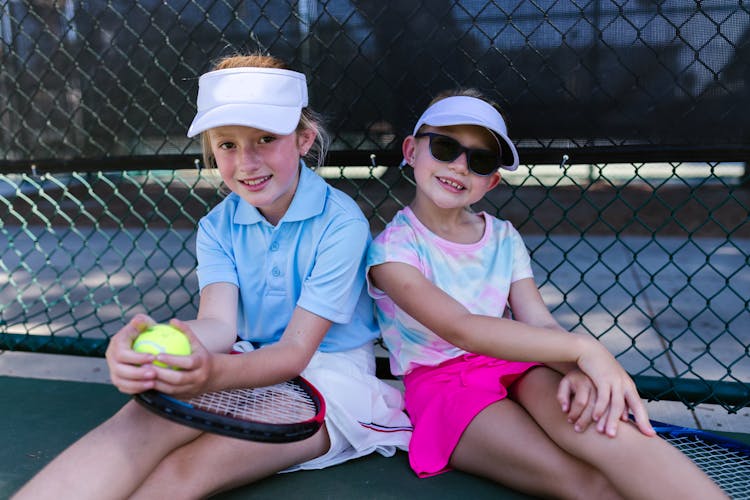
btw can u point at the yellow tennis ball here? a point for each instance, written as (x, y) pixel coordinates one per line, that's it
(162, 339)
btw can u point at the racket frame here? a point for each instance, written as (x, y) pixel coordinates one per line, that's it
(676, 431)
(705, 458)
(182, 412)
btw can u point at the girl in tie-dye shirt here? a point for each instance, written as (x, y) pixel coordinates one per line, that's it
(476, 390)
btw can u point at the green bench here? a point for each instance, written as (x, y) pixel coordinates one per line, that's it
(41, 417)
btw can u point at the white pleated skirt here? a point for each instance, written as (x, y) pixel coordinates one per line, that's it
(363, 413)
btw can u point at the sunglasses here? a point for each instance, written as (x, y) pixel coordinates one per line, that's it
(443, 148)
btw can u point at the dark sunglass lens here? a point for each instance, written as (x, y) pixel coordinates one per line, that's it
(484, 162)
(444, 148)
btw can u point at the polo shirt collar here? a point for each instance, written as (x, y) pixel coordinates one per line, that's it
(308, 201)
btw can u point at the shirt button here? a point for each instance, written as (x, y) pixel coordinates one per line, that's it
(274, 246)
(275, 272)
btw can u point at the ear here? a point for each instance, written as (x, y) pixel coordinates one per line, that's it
(305, 140)
(495, 179)
(408, 149)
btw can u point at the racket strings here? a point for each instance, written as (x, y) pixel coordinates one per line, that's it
(728, 468)
(284, 403)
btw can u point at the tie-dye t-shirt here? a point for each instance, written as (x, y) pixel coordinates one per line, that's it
(478, 275)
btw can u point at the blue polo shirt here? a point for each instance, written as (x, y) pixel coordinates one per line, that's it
(313, 258)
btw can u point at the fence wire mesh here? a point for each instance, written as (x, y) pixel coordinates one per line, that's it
(105, 78)
(641, 239)
(654, 268)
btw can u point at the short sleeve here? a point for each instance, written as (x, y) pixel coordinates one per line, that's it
(397, 243)
(216, 262)
(333, 287)
(521, 259)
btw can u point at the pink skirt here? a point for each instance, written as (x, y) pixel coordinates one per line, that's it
(442, 401)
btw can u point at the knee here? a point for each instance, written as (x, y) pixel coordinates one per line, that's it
(587, 483)
(174, 477)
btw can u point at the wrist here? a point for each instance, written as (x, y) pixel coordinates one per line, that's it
(586, 347)
(213, 380)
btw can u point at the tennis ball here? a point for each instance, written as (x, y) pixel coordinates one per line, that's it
(162, 339)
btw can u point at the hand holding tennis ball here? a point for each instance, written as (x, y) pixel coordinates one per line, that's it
(160, 339)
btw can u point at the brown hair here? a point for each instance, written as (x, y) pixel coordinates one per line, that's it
(309, 119)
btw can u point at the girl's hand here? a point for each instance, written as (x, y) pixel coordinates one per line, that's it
(577, 395)
(186, 376)
(131, 372)
(616, 394)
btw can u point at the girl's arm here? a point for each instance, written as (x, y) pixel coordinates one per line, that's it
(511, 339)
(276, 362)
(215, 330)
(528, 307)
(210, 367)
(449, 319)
(576, 392)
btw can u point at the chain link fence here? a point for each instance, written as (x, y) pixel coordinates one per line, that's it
(630, 119)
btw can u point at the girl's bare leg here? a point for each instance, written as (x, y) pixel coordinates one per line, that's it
(111, 460)
(504, 444)
(211, 464)
(639, 467)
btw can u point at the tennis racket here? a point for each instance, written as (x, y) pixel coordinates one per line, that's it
(724, 460)
(281, 413)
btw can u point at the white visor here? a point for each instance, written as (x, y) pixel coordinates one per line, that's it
(264, 98)
(465, 110)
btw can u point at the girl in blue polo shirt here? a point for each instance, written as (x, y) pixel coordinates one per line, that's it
(281, 267)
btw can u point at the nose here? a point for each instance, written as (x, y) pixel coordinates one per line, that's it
(249, 158)
(461, 163)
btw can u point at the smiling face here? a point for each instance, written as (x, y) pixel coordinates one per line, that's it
(450, 185)
(261, 167)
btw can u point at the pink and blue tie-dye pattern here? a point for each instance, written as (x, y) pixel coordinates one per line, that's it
(478, 275)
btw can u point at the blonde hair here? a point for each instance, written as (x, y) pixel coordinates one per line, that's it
(310, 120)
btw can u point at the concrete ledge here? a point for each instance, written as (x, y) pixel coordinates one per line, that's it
(93, 369)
